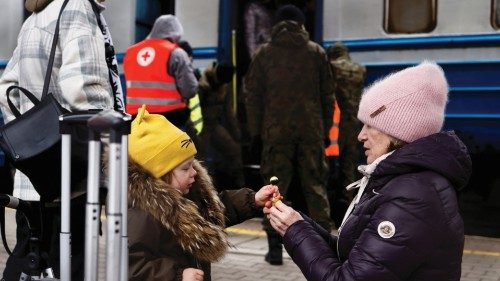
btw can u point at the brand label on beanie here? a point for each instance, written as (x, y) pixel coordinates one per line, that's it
(378, 111)
(185, 143)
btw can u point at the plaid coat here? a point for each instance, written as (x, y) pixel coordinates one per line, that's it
(79, 79)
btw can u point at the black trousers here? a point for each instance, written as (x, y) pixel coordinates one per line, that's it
(47, 228)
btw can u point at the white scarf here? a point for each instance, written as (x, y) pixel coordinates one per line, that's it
(367, 171)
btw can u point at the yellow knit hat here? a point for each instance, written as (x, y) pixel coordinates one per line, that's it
(156, 144)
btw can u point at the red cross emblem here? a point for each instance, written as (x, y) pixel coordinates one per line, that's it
(145, 56)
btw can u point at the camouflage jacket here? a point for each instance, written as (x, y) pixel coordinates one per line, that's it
(349, 78)
(289, 88)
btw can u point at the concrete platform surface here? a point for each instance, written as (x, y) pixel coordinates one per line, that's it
(245, 260)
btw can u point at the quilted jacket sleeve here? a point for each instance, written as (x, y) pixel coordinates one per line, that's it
(312, 248)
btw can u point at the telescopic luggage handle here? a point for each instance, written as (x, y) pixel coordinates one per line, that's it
(118, 127)
(110, 121)
(66, 124)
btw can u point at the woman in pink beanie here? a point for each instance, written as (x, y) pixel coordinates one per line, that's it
(404, 222)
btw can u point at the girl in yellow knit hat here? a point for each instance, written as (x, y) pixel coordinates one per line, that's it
(176, 219)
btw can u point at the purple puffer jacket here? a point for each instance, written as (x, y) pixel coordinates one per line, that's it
(406, 226)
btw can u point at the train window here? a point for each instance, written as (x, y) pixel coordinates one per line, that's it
(410, 16)
(495, 14)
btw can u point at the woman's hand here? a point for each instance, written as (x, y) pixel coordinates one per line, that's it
(192, 274)
(281, 216)
(265, 194)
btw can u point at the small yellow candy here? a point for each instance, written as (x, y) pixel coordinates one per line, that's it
(275, 200)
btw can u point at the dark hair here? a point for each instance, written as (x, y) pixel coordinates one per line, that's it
(186, 47)
(289, 12)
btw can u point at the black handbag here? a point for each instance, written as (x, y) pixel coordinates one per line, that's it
(32, 141)
(33, 132)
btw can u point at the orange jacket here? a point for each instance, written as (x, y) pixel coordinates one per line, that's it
(333, 148)
(148, 81)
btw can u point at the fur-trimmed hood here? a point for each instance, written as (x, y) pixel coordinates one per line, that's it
(196, 219)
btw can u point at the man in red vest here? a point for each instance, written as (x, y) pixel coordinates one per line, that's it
(159, 73)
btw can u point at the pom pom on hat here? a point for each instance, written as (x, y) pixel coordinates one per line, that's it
(408, 104)
(156, 144)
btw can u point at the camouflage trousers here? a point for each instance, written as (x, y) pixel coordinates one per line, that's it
(309, 162)
(349, 150)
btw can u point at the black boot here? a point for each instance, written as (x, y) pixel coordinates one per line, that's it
(275, 254)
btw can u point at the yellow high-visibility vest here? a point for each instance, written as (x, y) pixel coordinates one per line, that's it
(196, 116)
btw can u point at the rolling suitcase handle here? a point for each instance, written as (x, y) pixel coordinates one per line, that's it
(124, 201)
(66, 124)
(118, 126)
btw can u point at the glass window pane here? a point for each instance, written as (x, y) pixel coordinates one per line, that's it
(495, 14)
(409, 16)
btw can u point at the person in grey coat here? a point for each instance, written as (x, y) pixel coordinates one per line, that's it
(158, 68)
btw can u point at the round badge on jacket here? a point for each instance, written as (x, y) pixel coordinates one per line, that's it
(145, 56)
(386, 229)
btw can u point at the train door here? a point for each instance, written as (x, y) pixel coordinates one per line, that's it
(250, 18)
(146, 13)
(251, 24)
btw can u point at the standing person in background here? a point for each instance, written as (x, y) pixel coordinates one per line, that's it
(258, 21)
(221, 130)
(194, 125)
(404, 223)
(189, 51)
(79, 81)
(176, 218)
(349, 79)
(289, 107)
(159, 73)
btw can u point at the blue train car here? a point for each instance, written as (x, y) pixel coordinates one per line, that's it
(385, 36)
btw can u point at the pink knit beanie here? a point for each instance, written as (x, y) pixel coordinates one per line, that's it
(408, 104)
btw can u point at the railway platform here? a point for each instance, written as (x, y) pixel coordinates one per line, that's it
(245, 259)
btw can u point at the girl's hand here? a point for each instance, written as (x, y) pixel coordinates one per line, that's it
(265, 194)
(192, 274)
(281, 217)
